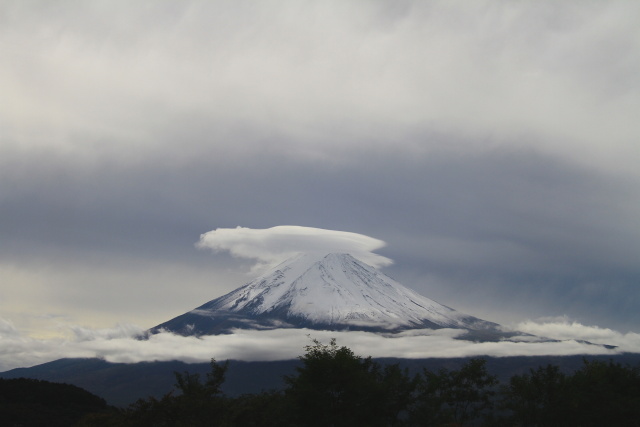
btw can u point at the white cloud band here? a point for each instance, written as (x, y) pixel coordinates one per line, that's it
(120, 345)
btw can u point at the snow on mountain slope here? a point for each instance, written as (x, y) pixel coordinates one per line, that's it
(328, 291)
(336, 289)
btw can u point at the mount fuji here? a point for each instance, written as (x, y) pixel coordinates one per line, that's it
(326, 292)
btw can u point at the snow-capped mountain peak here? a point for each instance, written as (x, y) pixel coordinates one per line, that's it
(322, 291)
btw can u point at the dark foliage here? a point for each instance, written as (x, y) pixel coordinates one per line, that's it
(599, 394)
(540, 398)
(197, 403)
(266, 409)
(29, 402)
(454, 397)
(332, 386)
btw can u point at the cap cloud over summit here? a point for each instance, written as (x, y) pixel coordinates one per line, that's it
(275, 244)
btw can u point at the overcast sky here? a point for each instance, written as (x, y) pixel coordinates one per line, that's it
(490, 148)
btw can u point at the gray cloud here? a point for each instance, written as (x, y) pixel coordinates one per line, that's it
(103, 79)
(493, 147)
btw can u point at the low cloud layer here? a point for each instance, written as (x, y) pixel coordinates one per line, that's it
(275, 244)
(119, 344)
(565, 329)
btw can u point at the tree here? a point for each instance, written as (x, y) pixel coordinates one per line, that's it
(605, 394)
(335, 387)
(540, 398)
(198, 403)
(193, 389)
(454, 396)
(266, 409)
(398, 390)
(598, 394)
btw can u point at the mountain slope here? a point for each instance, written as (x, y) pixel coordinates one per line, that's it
(329, 291)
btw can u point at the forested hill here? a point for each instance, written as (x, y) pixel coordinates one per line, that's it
(29, 402)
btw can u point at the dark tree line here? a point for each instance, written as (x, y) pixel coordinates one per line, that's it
(335, 387)
(598, 394)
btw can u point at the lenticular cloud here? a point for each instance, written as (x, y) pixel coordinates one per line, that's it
(273, 245)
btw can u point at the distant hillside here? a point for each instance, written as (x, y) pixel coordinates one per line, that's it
(121, 384)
